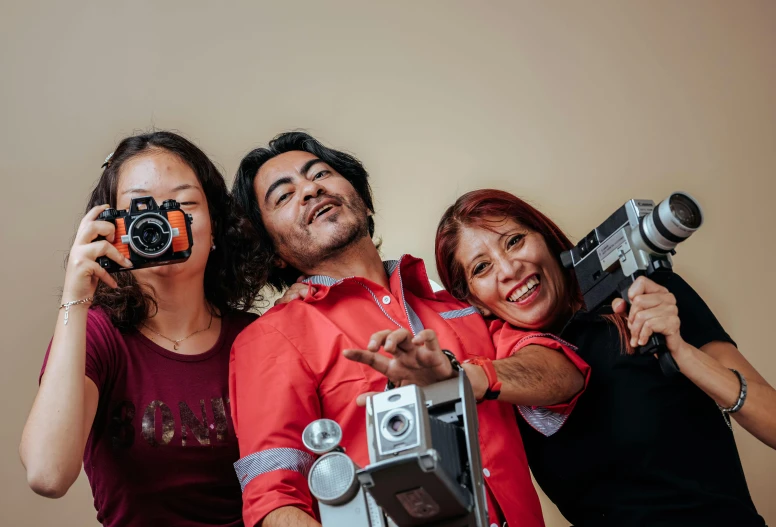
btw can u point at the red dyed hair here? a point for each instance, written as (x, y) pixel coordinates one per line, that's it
(473, 209)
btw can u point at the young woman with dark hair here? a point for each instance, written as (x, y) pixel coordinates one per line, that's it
(135, 380)
(640, 448)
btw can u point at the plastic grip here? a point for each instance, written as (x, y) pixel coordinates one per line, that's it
(178, 221)
(121, 230)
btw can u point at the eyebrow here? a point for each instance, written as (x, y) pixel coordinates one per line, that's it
(307, 166)
(140, 190)
(287, 179)
(275, 184)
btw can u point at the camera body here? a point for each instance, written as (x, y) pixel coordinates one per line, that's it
(424, 454)
(149, 235)
(638, 239)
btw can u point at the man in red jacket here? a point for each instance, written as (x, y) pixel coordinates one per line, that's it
(313, 207)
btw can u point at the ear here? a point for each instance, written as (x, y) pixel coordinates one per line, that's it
(279, 262)
(484, 311)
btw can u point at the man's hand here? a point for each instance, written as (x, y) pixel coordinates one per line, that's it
(414, 360)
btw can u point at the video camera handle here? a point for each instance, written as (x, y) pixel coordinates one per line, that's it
(657, 342)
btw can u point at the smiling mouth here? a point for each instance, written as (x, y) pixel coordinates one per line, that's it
(524, 291)
(321, 211)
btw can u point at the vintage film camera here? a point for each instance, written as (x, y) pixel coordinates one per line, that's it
(149, 235)
(638, 239)
(425, 466)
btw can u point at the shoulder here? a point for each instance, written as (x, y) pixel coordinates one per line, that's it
(99, 326)
(240, 319)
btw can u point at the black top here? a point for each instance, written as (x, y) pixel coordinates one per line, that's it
(641, 449)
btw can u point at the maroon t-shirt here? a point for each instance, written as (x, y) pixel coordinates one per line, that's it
(162, 445)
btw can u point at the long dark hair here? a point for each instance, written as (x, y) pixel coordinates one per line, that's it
(232, 274)
(242, 189)
(473, 208)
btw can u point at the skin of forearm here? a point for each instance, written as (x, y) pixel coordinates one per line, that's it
(289, 517)
(52, 442)
(534, 376)
(718, 382)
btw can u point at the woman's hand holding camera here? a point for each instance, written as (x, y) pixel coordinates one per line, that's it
(83, 272)
(653, 310)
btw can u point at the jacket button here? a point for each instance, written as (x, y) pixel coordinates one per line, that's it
(486, 472)
(386, 299)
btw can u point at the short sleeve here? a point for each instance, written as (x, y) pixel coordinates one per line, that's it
(273, 397)
(699, 326)
(508, 341)
(102, 341)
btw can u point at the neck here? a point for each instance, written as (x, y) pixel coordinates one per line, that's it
(181, 307)
(358, 259)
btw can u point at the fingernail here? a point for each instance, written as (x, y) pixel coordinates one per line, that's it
(372, 344)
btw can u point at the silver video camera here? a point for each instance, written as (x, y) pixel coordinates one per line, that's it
(425, 466)
(638, 239)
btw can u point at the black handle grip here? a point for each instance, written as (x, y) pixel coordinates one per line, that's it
(657, 344)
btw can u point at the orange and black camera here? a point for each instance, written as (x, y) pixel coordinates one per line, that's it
(149, 235)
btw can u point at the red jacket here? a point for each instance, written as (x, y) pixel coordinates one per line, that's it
(287, 370)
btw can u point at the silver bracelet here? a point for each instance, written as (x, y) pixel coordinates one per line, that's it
(67, 306)
(741, 395)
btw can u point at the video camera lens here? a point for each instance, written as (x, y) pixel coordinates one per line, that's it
(685, 210)
(670, 223)
(150, 235)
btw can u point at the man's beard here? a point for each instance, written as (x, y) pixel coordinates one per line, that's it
(307, 254)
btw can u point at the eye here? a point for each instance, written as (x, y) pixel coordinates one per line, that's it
(283, 198)
(514, 240)
(320, 174)
(188, 202)
(479, 268)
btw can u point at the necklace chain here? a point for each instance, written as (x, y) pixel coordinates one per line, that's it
(176, 342)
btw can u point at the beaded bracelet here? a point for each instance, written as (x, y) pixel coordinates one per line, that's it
(739, 402)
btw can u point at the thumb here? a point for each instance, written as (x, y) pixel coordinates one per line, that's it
(619, 305)
(361, 399)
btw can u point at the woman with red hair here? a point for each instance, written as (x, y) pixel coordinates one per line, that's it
(640, 448)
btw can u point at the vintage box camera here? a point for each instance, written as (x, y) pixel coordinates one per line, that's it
(425, 466)
(149, 235)
(638, 239)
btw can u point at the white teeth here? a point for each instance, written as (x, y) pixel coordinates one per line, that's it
(322, 210)
(525, 289)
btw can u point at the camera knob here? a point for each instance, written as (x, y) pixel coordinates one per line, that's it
(170, 204)
(108, 214)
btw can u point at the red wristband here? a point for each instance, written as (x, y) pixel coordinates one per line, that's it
(494, 386)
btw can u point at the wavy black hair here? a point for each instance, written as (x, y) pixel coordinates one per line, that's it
(232, 274)
(242, 191)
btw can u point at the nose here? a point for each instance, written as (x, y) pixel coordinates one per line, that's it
(311, 189)
(506, 268)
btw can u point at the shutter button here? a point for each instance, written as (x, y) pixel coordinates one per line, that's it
(386, 299)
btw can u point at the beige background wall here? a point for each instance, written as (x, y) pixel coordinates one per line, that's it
(577, 106)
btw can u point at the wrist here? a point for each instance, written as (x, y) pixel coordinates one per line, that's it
(684, 354)
(477, 378)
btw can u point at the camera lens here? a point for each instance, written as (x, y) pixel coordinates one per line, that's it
(397, 425)
(150, 235)
(671, 222)
(685, 210)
